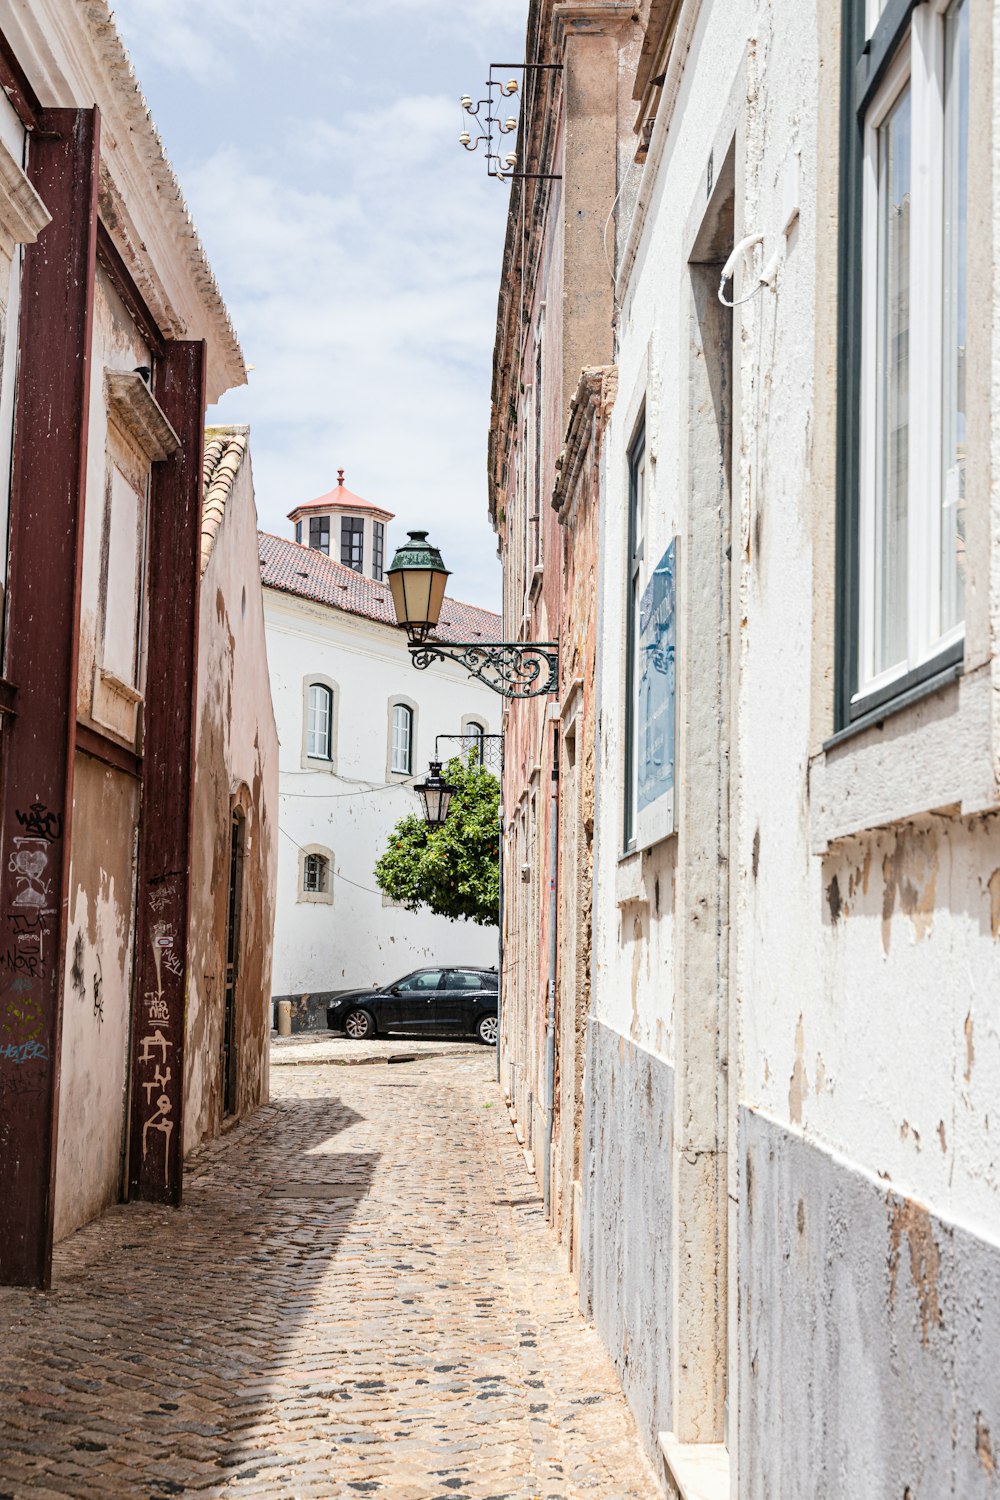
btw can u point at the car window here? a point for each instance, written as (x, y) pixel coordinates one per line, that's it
(462, 979)
(429, 979)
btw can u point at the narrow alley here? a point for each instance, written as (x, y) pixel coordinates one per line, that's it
(358, 1296)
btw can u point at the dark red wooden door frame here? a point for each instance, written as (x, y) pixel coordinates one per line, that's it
(43, 607)
(174, 542)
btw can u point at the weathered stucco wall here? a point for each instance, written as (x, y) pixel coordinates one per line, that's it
(626, 1284)
(877, 1320)
(236, 767)
(857, 917)
(97, 996)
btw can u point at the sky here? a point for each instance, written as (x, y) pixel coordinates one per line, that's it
(356, 244)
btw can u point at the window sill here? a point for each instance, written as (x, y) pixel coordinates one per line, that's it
(938, 673)
(931, 752)
(630, 889)
(318, 763)
(699, 1471)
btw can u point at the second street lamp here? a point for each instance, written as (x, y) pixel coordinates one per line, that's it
(435, 793)
(515, 669)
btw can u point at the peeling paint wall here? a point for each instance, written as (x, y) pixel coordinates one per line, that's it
(881, 1316)
(813, 958)
(236, 767)
(98, 990)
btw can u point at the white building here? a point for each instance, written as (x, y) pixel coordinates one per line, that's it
(357, 725)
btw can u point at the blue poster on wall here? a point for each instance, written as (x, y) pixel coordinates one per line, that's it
(656, 717)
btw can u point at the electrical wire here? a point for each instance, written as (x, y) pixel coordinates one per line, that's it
(338, 796)
(336, 872)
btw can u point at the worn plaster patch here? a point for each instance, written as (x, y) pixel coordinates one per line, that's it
(798, 1085)
(909, 875)
(994, 890)
(833, 899)
(913, 1221)
(984, 1448)
(970, 1047)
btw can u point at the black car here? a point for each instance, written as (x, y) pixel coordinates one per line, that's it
(428, 1002)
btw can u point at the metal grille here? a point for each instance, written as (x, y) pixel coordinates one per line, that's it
(489, 747)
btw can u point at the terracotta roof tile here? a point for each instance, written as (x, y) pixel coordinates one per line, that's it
(294, 569)
(225, 448)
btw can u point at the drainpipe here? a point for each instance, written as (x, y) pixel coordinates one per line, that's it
(550, 1019)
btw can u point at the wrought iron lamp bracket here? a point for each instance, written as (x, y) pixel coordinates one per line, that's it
(514, 669)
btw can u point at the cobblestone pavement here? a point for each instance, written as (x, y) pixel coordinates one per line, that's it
(359, 1297)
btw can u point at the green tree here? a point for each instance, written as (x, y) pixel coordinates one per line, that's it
(451, 870)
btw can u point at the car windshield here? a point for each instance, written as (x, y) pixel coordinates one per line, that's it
(425, 979)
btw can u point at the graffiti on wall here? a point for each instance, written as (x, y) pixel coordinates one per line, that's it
(155, 1062)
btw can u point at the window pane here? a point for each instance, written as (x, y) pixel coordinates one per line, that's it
(315, 873)
(402, 727)
(319, 534)
(893, 372)
(352, 531)
(378, 549)
(953, 446)
(320, 716)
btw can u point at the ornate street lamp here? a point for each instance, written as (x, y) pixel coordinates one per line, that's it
(435, 793)
(515, 669)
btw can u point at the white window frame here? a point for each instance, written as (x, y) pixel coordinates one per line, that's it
(400, 706)
(311, 737)
(921, 63)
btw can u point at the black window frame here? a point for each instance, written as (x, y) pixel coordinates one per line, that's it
(864, 62)
(317, 526)
(298, 532)
(351, 527)
(634, 559)
(378, 550)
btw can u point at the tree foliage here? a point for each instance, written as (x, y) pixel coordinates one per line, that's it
(451, 870)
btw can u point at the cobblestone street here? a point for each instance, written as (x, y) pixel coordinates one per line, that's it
(358, 1297)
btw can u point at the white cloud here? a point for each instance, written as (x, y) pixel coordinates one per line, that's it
(368, 310)
(356, 244)
(194, 36)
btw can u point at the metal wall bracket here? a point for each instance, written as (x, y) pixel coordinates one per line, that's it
(515, 669)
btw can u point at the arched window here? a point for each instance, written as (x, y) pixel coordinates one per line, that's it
(476, 734)
(402, 739)
(319, 729)
(315, 874)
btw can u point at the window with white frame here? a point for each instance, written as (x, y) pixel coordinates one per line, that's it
(402, 739)
(319, 727)
(903, 336)
(476, 732)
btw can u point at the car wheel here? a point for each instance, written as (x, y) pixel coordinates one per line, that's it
(358, 1024)
(488, 1030)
